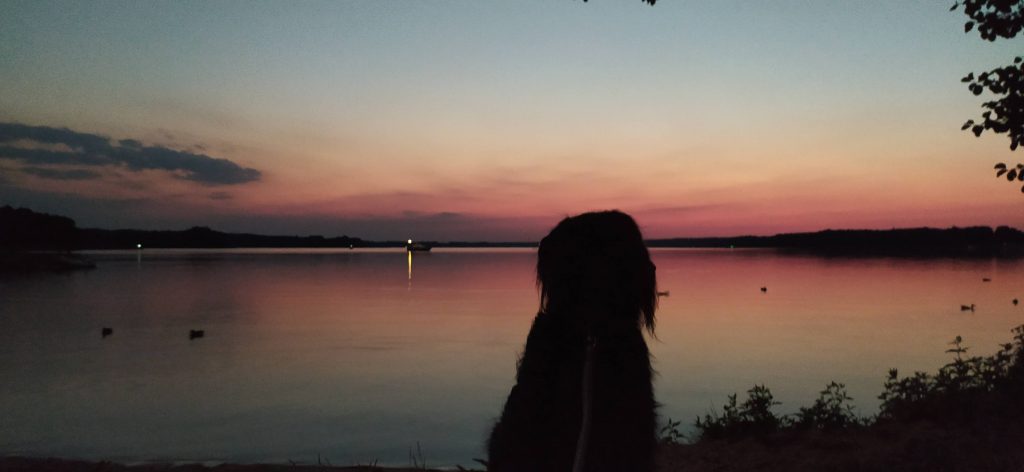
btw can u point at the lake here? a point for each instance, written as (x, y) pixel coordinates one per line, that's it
(357, 356)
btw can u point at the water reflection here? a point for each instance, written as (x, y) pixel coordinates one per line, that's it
(330, 352)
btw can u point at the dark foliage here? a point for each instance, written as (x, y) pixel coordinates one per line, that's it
(831, 411)
(969, 389)
(21, 228)
(1005, 113)
(966, 387)
(670, 434)
(753, 417)
(992, 18)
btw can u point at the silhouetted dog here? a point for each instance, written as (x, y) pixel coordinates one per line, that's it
(598, 292)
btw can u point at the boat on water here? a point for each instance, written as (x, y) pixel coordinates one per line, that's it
(417, 247)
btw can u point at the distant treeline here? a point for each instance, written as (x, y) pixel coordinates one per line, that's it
(21, 228)
(203, 237)
(25, 229)
(978, 241)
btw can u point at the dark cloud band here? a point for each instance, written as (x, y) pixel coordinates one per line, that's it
(86, 149)
(61, 174)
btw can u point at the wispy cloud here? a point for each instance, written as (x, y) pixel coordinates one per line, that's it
(684, 209)
(54, 147)
(61, 174)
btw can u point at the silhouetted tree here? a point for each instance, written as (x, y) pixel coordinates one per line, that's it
(1005, 114)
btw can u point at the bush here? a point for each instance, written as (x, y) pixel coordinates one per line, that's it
(670, 433)
(955, 390)
(751, 418)
(966, 388)
(832, 410)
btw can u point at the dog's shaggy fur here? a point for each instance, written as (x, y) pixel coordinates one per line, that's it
(597, 288)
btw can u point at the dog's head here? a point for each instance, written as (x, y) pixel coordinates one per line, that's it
(595, 267)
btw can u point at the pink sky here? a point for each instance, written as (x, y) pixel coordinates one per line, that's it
(493, 121)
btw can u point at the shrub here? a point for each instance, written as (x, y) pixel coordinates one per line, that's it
(670, 433)
(751, 418)
(961, 390)
(955, 390)
(832, 410)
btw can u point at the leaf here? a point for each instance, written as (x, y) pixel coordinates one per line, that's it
(968, 26)
(1020, 176)
(967, 125)
(1000, 173)
(1022, 189)
(1012, 174)
(1018, 59)
(1020, 166)
(1000, 165)
(954, 6)
(968, 77)
(977, 129)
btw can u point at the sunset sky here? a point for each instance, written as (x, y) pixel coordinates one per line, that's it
(491, 120)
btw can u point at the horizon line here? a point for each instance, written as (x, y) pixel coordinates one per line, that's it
(536, 242)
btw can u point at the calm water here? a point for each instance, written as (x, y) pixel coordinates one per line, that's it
(358, 355)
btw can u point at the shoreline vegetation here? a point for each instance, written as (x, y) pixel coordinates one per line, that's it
(23, 230)
(968, 416)
(965, 417)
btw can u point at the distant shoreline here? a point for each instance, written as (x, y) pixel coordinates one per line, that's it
(23, 229)
(916, 242)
